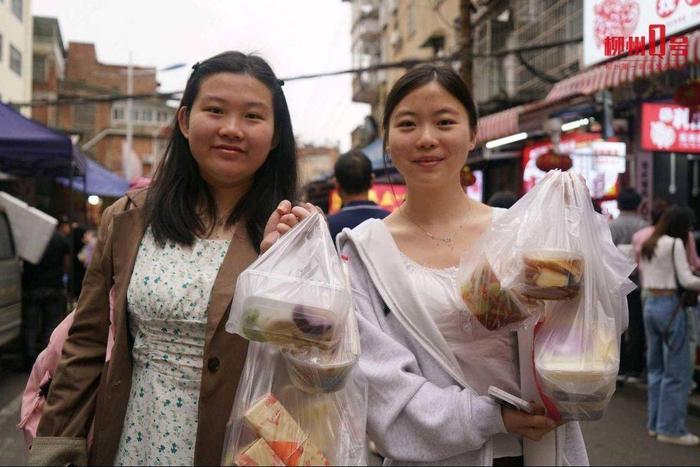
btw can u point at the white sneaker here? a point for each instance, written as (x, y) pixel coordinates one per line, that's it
(688, 439)
(651, 433)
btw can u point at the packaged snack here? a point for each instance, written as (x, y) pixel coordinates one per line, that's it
(282, 433)
(302, 428)
(552, 274)
(295, 293)
(258, 453)
(283, 323)
(315, 370)
(576, 377)
(493, 306)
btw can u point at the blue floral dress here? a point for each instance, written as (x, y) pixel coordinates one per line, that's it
(168, 298)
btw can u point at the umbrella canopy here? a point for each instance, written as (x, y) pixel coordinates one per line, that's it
(100, 181)
(30, 148)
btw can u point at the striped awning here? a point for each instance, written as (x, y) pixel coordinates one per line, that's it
(611, 74)
(622, 71)
(498, 125)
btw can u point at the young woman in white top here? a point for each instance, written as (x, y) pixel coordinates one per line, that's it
(664, 267)
(427, 381)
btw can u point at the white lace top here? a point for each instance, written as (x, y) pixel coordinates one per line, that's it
(484, 362)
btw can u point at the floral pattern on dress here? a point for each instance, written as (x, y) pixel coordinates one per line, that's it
(168, 298)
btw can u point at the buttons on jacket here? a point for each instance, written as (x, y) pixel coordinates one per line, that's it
(213, 364)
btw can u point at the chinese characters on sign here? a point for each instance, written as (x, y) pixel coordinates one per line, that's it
(666, 127)
(637, 45)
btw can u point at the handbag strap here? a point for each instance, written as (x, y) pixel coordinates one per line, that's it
(679, 306)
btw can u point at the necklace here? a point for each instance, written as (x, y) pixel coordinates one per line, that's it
(447, 241)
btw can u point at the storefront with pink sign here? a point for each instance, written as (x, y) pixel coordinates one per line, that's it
(670, 144)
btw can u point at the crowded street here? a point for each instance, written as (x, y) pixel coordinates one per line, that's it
(350, 232)
(618, 439)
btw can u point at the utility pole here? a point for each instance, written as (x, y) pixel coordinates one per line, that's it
(126, 156)
(465, 42)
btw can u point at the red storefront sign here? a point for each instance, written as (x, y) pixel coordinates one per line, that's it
(666, 128)
(381, 193)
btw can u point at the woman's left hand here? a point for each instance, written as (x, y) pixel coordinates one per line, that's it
(282, 220)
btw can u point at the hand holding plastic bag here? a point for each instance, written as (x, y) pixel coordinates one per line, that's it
(294, 294)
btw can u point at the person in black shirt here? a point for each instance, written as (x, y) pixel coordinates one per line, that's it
(353, 178)
(44, 296)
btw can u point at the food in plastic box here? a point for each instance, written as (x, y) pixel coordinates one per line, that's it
(314, 371)
(552, 274)
(275, 425)
(491, 305)
(579, 382)
(282, 323)
(258, 453)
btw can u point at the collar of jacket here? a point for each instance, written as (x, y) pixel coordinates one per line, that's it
(128, 231)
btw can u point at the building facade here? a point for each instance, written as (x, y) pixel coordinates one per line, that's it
(16, 52)
(101, 124)
(48, 68)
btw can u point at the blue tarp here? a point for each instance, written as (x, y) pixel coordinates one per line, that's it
(28, 148)
(374, 152)
(100, 181)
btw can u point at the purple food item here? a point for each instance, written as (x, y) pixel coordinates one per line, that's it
(311, 323)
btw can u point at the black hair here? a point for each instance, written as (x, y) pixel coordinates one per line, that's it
(628, 199)
(658, 208)
(674, 222)
(178, 191)
(353, 172)
(502, 199)
(421, 75)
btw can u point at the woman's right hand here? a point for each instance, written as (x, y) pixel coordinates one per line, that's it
(528, 426)
(282, 220)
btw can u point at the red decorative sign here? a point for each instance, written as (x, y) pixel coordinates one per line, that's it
(666, 128)
(387, 196)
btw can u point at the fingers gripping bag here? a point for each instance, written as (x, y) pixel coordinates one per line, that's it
(280, 418)
(576, 343)
(294, 294)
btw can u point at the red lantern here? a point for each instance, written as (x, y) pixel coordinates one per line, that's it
(688, 95)
(552, 160)
(466, 177)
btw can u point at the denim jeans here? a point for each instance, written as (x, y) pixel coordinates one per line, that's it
(668, 365)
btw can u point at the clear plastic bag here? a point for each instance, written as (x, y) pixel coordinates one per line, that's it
(550, 258)
(295, 293)
(314, 370)
(576, 347)
(273, 422)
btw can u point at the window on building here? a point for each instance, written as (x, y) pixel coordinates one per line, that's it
(84, 115)
(17, 8)
(411, 29)
(118, 113)
(148, 115)
(15, 60)
(39, 69)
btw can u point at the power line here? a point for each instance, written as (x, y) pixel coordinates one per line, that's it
(407, 64)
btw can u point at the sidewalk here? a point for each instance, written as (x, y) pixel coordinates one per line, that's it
(693, 399)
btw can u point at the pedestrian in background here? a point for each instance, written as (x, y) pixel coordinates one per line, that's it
(353, 180)
(665, 268)
(172, 253)
(44, 296)
(623, 229)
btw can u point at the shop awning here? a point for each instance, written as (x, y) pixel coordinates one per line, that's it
(29, 148)
(498, 125)
(100, 181)
(623, 70)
